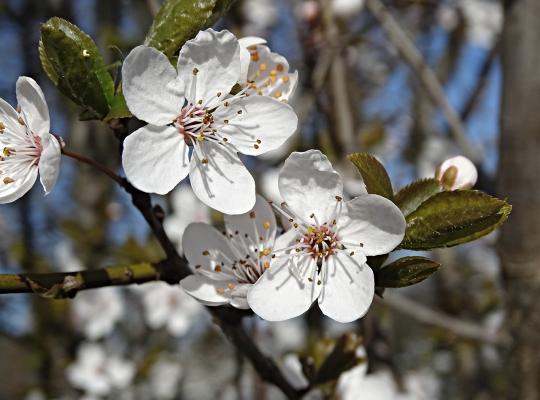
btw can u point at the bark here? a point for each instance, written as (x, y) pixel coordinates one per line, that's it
(518, 180)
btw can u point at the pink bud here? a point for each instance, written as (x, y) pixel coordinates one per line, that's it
(457, 173)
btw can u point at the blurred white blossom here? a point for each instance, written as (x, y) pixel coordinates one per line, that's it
(165, 378)
(97, 372)
(346, 8)
(95, 312)
(260, 15)
(168, 306)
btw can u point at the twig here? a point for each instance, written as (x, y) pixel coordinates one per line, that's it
(425, 74)
(95, 164)
(431, 317)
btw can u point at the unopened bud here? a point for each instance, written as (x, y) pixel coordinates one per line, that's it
(457, 173)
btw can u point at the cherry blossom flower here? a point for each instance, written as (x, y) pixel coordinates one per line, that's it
(227, 264)
(186, 209)
(165, 377)
(264, 72)
(28, 148)
(192, 115)
(97, 372)
(346, 8)
(96, 312)
(168, 306)
(457, 173)
(323, 257)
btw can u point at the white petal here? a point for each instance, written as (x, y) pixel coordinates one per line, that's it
(49, 162)
(155, 158)
(348, 288)
(245, 57)
(8, 116)
(33, 105)
(152, 90)
(224, 183)
(278, 295)
(120, 372)
(239, 296)
(205, 290)
(263, 125)
(259, 222)
(374, 221)
(205, 247)
(22, 183)
(216, 57)
(309, 184)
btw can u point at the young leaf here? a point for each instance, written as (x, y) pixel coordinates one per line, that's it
(405, 272)
(411, 196)
(375, 176)
(73, 63)
(179, 20)
(119, 108)
(451, 218)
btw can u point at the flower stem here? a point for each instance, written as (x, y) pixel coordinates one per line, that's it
(107, 171)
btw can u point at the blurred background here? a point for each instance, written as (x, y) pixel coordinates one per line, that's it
(468, 332)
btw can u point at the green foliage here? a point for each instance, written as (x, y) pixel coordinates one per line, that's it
(72, 61)
(405, 272)
(375, 176)
(119, 108)
(411, 196)
(451, 218)
(179, 20)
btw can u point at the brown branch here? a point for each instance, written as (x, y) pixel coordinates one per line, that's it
(429, 316)
(427, 77)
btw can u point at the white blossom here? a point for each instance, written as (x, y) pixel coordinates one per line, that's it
(28, 148)
(228, 263)
(168, 306)
(484, 19)
(97, 372)
(323, 257)
(346, 8)
(186, 209)
(195, 126)
(263, 72)
(457, 173)
(165, 377)
(260, 15)
(96, 312)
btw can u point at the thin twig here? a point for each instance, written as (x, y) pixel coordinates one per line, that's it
(429, 316)
(427, 77)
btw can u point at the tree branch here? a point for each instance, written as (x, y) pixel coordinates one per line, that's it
(427, 77)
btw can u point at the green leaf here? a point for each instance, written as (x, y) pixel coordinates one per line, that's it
(405, 272)
(119, 108)
(72, 61)
(452, 218)
(374, 175)
(179, 20)
(411, 196)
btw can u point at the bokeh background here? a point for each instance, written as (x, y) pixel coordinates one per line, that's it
(468, 332)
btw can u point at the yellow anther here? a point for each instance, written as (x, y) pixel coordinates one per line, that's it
(277, 95)
(266, 264)
(2, 127)
(7, 151)
(217, 268)
(254, 56)
(200, 138)
(204, 161)
(310, 229)
(265, 252)
(266, 225)
(279, 67)
(7, 180)
(220, 290)
(231, 286)
(262, 67)
(285, 79)
(21, 120)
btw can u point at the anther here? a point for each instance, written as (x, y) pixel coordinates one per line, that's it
(205, 253)
(266, 225)
(262, 67)
(220, 290)
(252, 215)
(217, 268)
(2, 127)
(21, 120)
(195, 71)
(7, 180)
(204, 161)
(256, 146)
(339, 198)
(218, 94)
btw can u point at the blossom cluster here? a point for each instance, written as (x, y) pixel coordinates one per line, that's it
(227, 97)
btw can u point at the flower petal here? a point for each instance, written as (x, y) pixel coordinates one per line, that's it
(205, 247)
(348, 288)
(155, 158)
(309, 185)
(205, 290)
(256, 124)
(33, 105)
(239, 296)
(245, 56)
(278, 295)
(14, 186)
(152, 90)
(223, 183)
(374, 221)
(209, 64)
(259, 222)
(49, 162)
(8, 117)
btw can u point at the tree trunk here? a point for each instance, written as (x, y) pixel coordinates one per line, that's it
(519, 181)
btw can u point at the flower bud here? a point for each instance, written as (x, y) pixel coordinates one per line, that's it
(457, 173)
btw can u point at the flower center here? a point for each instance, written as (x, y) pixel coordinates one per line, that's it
(194, 123)
(320, 241)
